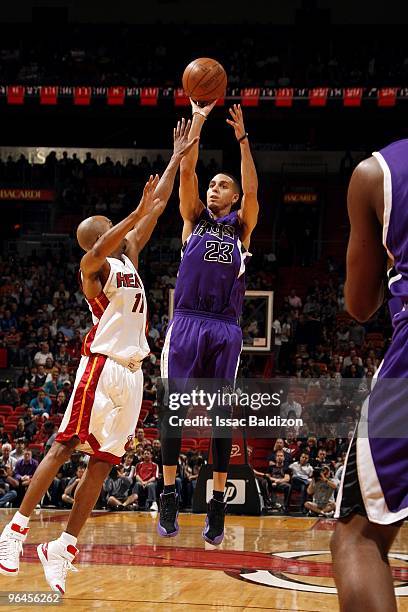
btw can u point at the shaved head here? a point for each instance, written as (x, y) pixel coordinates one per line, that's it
(90, 229)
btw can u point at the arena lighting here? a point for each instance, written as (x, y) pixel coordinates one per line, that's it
(47, 95)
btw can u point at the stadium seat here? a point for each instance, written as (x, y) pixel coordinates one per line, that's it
(151, 431)
(5, 409)
(204, 444)
(191, 443)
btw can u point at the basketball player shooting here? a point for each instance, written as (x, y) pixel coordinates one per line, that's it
(204, 339)
(372, 500)
(104, 408)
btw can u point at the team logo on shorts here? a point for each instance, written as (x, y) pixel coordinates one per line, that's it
(302, 571)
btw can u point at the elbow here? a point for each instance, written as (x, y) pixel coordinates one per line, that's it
(359, 312)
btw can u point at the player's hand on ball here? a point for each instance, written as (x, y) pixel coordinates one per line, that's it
(204, 111)
(180, 134)
(237, 121)
(147, 202)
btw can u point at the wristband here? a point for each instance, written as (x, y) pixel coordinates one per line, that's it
(201, 114)
(243, 137)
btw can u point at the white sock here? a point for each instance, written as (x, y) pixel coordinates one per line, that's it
(67, 539)
(20, 519)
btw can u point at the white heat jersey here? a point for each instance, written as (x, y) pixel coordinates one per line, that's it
(119, 316)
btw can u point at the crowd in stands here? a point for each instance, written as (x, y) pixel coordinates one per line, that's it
(253, 55)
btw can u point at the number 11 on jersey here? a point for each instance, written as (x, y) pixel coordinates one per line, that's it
(138, 305)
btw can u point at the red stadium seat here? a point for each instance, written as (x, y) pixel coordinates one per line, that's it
(151, 432)
(5, 409)
(143, 414)
(204, 444)
(13, 419)
(190, 443)
(20, 410)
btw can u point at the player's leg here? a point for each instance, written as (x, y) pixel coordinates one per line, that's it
(15, 532)
(221, 364)
(57, 555)
(178, 364)
(359, 550)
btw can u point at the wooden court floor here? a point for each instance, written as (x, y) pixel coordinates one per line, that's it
(265, 563)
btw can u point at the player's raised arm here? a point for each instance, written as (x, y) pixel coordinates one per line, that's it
(141, 233)
(190, 204)
(248, 213)
(100, 239)
(366, 257)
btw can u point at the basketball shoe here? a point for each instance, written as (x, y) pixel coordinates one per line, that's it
(168, 526)
(56, 558)
(11, 545)
(213, 532)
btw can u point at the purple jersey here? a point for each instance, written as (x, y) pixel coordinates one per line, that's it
(393, 161)
(378, 462)
(211, 276)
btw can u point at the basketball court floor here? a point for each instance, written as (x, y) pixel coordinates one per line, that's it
(265, 563)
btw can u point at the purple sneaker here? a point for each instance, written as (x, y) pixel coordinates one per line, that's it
(168, 527)
(213, 532)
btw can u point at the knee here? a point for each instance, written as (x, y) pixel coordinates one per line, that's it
(60, 452)
(340, 543)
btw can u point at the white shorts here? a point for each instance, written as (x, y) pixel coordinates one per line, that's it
(104, 408)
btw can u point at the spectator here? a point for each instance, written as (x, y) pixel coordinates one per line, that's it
(41, 404)
(50, 386)
(68, 330)
(322, 488)
(149, 389)
(40, 358)
(62, 356)
(40, 377)
(69, 493)
(294, 300)
(60, 403)
(6, 458)
(4, 437)
(146, 480)
(321, 458)
(24, 471)
(116, 487)
(290, 409)
(278, 480)
(8, 486)
(9, 395)
(302, 472)
(63, 377)
(278, 446)
(192, 472)
(29, 394)
(19, 432)
(129, 469)
(53, 434)
(18, 451)
(140, 439)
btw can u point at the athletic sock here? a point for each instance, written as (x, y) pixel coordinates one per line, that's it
(67, 539)
(218, 496)
(169, 489)
(20, 519)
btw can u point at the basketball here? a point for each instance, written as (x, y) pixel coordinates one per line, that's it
(205, 80)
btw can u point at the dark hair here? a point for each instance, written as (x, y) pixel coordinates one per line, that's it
(237, 184)
(234, 179)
